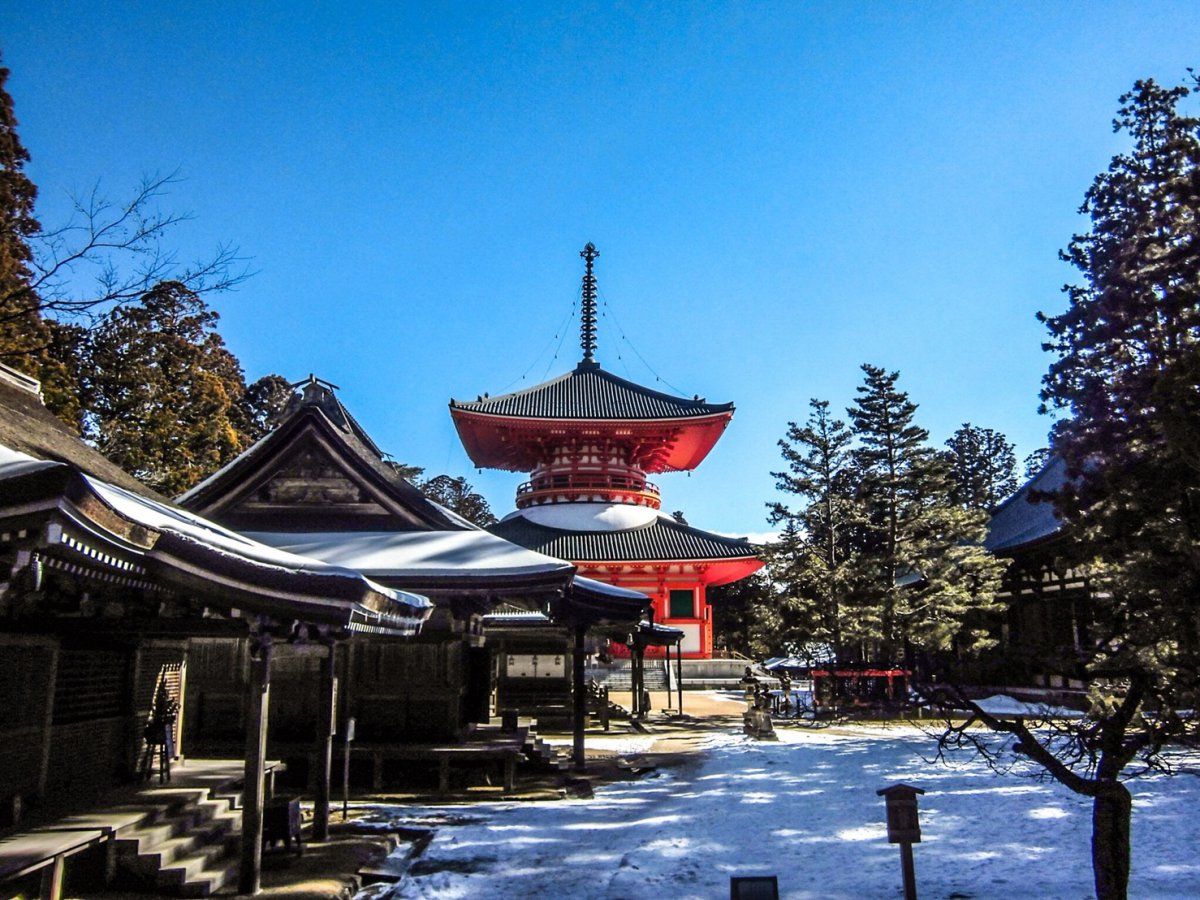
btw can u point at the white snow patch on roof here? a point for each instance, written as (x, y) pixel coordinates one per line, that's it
(588, 516)
(447, 554)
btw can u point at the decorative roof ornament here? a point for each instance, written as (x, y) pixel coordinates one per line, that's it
(587, 317)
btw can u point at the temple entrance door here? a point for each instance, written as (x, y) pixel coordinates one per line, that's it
(478, 701)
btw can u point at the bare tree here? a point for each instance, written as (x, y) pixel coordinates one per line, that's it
(1092, 754)
(109, 253)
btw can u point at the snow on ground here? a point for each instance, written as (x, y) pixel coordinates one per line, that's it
(805, 809)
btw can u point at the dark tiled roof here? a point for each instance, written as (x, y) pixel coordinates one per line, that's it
(1023, 520)
(663, 539)
(319, 408)
(26, 425)
(588, 392)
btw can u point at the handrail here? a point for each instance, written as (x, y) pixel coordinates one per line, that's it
(584, 482)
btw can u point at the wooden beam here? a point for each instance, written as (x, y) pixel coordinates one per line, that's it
(258, 701)
(326, 726)
(678, 672)
(579, 689)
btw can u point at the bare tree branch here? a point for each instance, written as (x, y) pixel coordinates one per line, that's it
(108, 254)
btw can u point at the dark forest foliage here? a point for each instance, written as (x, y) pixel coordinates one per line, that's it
(1127, 373)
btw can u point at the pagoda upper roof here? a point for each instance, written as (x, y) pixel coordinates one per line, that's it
(589, 393)
(661, 540)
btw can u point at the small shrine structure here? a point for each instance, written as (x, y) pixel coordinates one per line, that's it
(589, 439)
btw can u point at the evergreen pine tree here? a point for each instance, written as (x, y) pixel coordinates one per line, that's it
(1128, 371)
(813, 552)
(922, 567)
(982, 467)
(163, 390)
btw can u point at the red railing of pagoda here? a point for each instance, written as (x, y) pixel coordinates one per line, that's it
(572, 486)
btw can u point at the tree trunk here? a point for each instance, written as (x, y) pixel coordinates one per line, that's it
(1111, 811)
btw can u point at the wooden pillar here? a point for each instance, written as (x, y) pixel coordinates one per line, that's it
(258, 701)
(579, 756)
(633, 681)
(326, 726)
(678, 674)
(640, 668)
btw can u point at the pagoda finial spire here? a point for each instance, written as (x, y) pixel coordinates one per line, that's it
(587, 318)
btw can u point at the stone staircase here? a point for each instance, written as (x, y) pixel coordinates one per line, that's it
(541, 755)
(618, 676)
(185, 847)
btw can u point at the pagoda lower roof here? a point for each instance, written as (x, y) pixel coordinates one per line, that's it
(661, 540)
(589, 392)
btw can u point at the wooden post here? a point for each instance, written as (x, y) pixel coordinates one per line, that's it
(908, 871)
(579, 755)
(640, 668)
(633, 681)
(52, 880)
(326, 726)
(903, 828)
(258, 699)
(679, 673)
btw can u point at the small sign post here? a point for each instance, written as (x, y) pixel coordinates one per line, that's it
(903, 828)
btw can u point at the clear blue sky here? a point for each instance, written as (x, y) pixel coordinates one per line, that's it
(779, 192)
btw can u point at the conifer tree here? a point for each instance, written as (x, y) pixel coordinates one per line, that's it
(982, 465)
(40, 347)
(458, 495)
(922, 568)
(1036, 461)
(18, 222)
(814, 550)
(163, 390)
(263, 405)
(1127, 371)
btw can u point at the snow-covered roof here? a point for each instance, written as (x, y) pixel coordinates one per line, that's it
(583, 516)
(190, 541)
(660, 538)
(429, 554)
(608, 590)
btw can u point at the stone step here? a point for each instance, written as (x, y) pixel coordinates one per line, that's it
(195, 840)
(187, 847)
(198, 865)
(208, 881)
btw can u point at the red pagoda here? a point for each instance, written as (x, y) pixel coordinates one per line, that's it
(588, 440)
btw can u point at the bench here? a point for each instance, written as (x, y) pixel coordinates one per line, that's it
(24, 854)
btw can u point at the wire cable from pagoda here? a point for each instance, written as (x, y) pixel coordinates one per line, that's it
(608, 312)
(560, 335)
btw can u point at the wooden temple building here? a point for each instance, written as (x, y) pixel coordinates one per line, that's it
(105, 591)
(1047, 602)
(318, 485)
(240, 624)
(588, 440)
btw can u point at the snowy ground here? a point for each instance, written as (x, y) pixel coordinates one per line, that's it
(804, 809)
